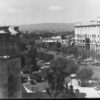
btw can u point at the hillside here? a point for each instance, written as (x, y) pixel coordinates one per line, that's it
(49, 27)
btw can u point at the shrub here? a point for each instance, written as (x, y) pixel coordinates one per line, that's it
(45, 56)
(84, 75)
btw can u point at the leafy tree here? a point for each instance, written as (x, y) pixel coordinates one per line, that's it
(45, 56)
(59, 69)
(23, 46)
(84, 74)
(22, 62)
(32, 55)
(70, 50)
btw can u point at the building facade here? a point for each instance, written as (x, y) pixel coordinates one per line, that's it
(10, 63)
(9, 38)
(87, 35)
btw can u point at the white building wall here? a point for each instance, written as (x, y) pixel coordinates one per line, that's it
(89, 30)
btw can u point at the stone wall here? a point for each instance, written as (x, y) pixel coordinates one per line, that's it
(10, 78)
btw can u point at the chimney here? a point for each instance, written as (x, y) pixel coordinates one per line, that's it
(17, 29)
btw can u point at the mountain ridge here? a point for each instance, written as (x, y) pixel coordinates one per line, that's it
(50, 27)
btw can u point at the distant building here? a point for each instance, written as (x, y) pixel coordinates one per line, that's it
(54, 40)
(87, 35)
(56, 37)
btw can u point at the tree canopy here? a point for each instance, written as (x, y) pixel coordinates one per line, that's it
(68, 66)
(59, 69)
(85, 74)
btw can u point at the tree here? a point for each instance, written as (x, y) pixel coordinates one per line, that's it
(59, 69)
(70, 50)
(45, 56)
(22, 62)
(32, 55)
(84, 75)
(74, 50)
(23, 43)
(85, 53)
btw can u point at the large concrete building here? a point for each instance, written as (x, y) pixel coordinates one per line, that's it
(10, 63)
(87, 34)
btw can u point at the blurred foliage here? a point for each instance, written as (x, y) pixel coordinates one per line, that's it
(84, 75)
(59, 69)
(45, 56)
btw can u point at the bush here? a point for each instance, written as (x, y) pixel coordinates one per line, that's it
(32, 82)
(45, 56)
(59, 70)
(96, 64)
(85, 84)
(84, 75)
(24, 79)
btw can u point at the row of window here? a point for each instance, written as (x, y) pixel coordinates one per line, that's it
(85, 35)
(87, 26)
(92, 41)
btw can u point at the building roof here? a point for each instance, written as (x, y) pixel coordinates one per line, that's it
(2, 32)
(89, 23)
(9, 30)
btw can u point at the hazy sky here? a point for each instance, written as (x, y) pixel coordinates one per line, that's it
(48, 11)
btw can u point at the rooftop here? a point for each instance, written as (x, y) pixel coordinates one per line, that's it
(89, 23)
(8, 30)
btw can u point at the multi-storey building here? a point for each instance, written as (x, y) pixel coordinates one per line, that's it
(9, 40)
(88, 35)
(10, 63)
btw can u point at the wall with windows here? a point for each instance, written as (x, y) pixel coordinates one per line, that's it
(91, 31)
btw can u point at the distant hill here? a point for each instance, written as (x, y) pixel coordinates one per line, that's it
(49, 27)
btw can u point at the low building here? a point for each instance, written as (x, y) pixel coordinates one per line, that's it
(54, 40)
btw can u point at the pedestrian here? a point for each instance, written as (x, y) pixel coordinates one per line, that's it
(79, 83)
(48, 91)
(71, 90)
(67, 88)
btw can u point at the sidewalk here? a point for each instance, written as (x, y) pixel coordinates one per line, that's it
(90, 91)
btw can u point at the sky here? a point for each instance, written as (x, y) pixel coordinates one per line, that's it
(17, 12)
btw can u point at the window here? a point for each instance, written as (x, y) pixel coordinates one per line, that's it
(83, 41)
(94, 41)
(85, 35)
(93, 35)
(78, 35)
